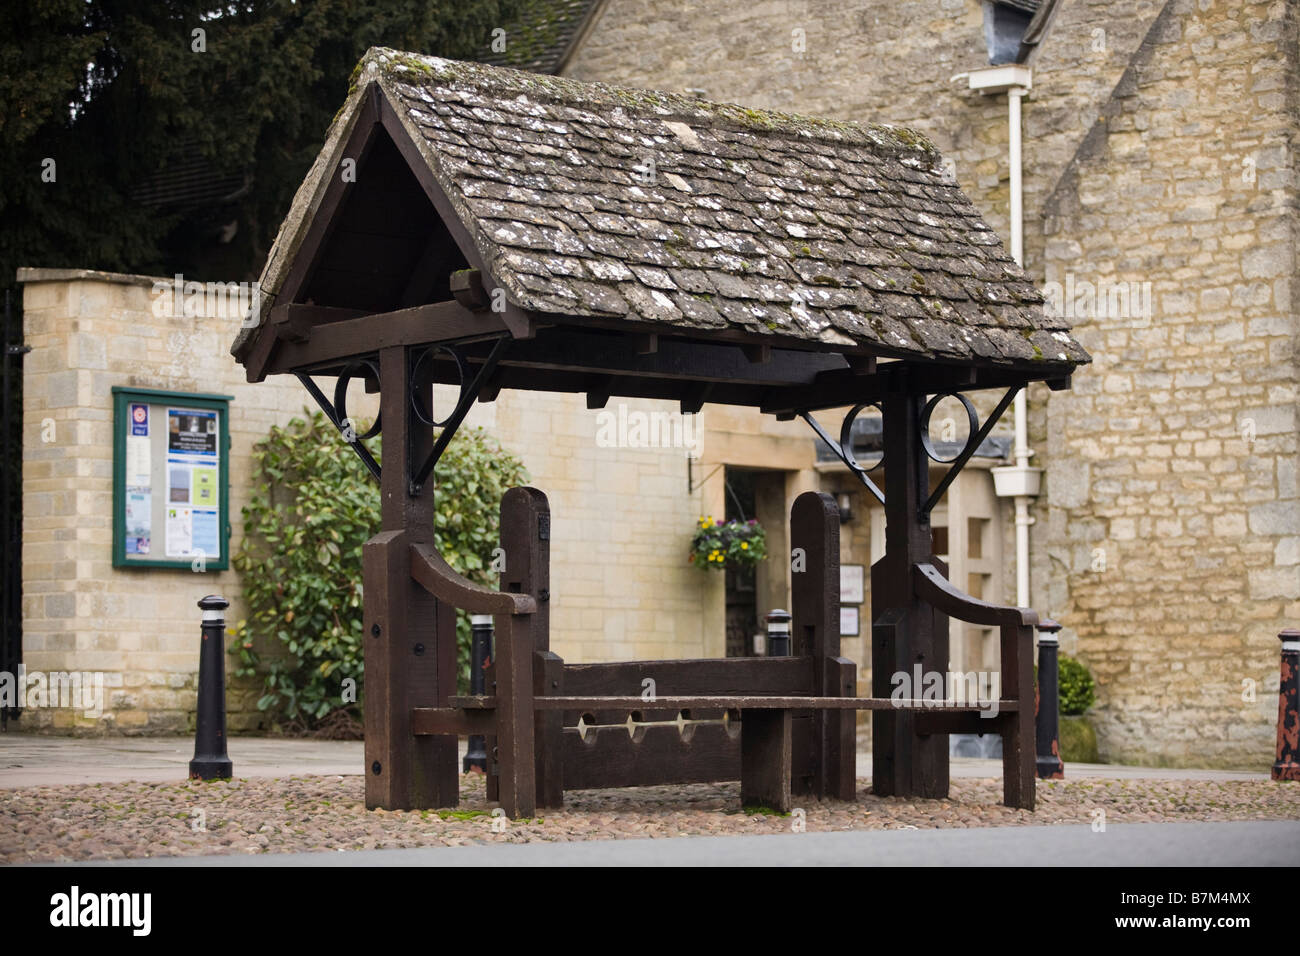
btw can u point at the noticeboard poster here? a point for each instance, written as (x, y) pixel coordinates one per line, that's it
(170, 480)
(192, 459)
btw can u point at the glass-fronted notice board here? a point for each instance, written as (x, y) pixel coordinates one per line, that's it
(170, 486)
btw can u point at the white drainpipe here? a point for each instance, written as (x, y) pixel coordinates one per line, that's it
(1018, 481)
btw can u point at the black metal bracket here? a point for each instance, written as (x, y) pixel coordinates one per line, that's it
(975, 439)
(469, 392)
(336, 411)
(843, 448)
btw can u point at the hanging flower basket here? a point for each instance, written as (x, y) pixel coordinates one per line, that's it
(728, 544)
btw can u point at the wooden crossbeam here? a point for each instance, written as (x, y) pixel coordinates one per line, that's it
(434, 721)
(741, 702)
(838, 388)
(329, 339)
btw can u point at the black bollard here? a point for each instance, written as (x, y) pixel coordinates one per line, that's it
(1287, 765)
(210, 761)
(480, 655)
(778, 633)
(1047, 701)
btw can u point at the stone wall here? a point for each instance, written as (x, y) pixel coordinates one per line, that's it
(88, 332)
(1143, 118)
(622, 517)
(1172, 546)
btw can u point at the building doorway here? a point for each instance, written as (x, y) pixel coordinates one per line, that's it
(752, 592)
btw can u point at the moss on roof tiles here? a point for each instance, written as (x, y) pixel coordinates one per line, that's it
(823, 223)
(663, 105)
(540, 36)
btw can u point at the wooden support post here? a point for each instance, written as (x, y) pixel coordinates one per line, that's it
(841, 761)
(548, 730)
(815, 631)
(490, 741)
(765, 755)
(410, 651)
(526, 543)
(906, 636)
(516, 756)
(1018, 758)
(891, 752)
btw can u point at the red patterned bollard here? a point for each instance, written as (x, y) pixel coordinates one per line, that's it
(1287, 765)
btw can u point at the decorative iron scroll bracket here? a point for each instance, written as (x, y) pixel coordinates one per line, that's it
(843, 447)
(469, 392)
(975, 439)
(336, 411)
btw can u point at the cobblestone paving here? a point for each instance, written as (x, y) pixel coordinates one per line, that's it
(294, 814)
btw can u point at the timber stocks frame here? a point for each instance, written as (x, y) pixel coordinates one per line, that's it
(389, 277)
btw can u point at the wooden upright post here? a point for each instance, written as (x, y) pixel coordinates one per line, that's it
(906, 633)
(410, 650)
(526, 544)
(815, 631)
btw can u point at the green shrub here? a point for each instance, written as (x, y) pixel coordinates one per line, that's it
(312, 509)
(1077, 688)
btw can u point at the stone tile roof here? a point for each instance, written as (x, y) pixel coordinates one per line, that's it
(587, 200)
(539, 39)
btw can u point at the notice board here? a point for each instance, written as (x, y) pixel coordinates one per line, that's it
(170, 487)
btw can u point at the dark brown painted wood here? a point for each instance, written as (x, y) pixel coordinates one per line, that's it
(467, 287)
(949, 722)
(626, 705)
(516, 757)
(519, 321)
(359, 142)
(838, 388)
(905, 764)
(610, 758)
(336, 342)
(841, 741)
(525, 541)
(412, 659)
(526, 545)
(548, 730)
(815, 623)
(1018, 751)
(431, 570)
(449, 720)
(932, 586)
(713, 676)
(475, 702)
(620, 706)
(890, 750)
(493, 784)
(569, 349)
(765, 759)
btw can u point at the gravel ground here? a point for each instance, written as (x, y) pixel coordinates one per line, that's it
(295, 814)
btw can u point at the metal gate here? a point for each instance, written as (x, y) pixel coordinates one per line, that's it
(11, 496)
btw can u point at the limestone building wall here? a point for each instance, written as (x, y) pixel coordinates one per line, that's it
(1172, 526)
(1156, 149)
(89, 332)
